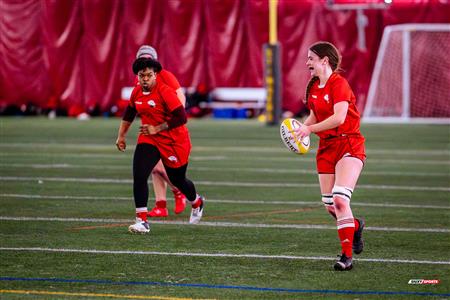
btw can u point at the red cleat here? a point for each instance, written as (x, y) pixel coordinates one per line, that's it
(159, 211)
(180, 201)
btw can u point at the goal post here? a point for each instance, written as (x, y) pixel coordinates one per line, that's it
(272, 69)
(411, 79)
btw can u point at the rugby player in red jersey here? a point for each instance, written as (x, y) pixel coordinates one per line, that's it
(162, 136)
(341, 154)
(159, 175)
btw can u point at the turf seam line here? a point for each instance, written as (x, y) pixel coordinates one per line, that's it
(208, 169)
(228, 157)
(225, 183)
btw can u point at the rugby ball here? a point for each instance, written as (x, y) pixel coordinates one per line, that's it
(290, 139)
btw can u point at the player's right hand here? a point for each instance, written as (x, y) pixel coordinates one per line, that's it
(121, 144)
(302, 131)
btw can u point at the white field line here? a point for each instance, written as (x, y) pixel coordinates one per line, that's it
(212, 169)
(218, 255)
(224, 224)
(362, 204)
(226, 183)
(390, 162)
(308, 159)
(402, 152)
(280, 149)
(314, 172)
(117, 156)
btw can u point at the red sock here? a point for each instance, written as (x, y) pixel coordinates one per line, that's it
(346, 237)
(142, 215)
(197, 202)
(356, 225)
(346, 231)
(161, 203)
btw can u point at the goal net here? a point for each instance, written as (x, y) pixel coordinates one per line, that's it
(411, 78)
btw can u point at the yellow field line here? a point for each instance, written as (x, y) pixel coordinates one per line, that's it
(93, 295)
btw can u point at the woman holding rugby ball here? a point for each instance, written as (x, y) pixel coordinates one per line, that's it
(341, 153)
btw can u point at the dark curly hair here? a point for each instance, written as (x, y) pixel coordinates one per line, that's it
(142, 63)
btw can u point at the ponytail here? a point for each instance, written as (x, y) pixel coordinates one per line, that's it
(308, 88)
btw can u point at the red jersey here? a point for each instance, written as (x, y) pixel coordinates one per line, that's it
(165, 77)
(155, 107)
(321, 102)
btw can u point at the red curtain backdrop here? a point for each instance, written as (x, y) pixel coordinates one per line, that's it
(77, 54)
(62, 30)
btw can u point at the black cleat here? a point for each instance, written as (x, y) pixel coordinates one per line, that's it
(358, 242)
(344, 263)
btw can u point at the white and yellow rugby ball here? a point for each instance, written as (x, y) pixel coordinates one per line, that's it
(290, 140)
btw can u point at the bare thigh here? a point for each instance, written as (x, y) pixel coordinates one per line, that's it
(326, 182)
(348, 170)
(159, 168)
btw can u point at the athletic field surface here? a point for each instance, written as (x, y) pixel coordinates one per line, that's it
(66, 203)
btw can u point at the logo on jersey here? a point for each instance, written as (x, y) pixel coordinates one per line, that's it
(314, 96)
(326, 98)
(151, 103)
(138, 102)
(172, 158)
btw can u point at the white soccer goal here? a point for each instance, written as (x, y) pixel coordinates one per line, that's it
(411, 78)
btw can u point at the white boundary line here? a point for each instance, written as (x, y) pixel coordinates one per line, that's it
(362, 204)
(227, 183)
(280, 149)
(219, 255)
(223, 224)
(206, 169)
(117, 156)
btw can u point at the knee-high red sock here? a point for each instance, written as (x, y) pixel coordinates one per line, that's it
(346, 229)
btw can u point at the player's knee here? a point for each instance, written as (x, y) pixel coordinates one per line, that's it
(341, 196)
(176, 179)
(342, 192)
(139, 180)
(158, 170)
(140, 177)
